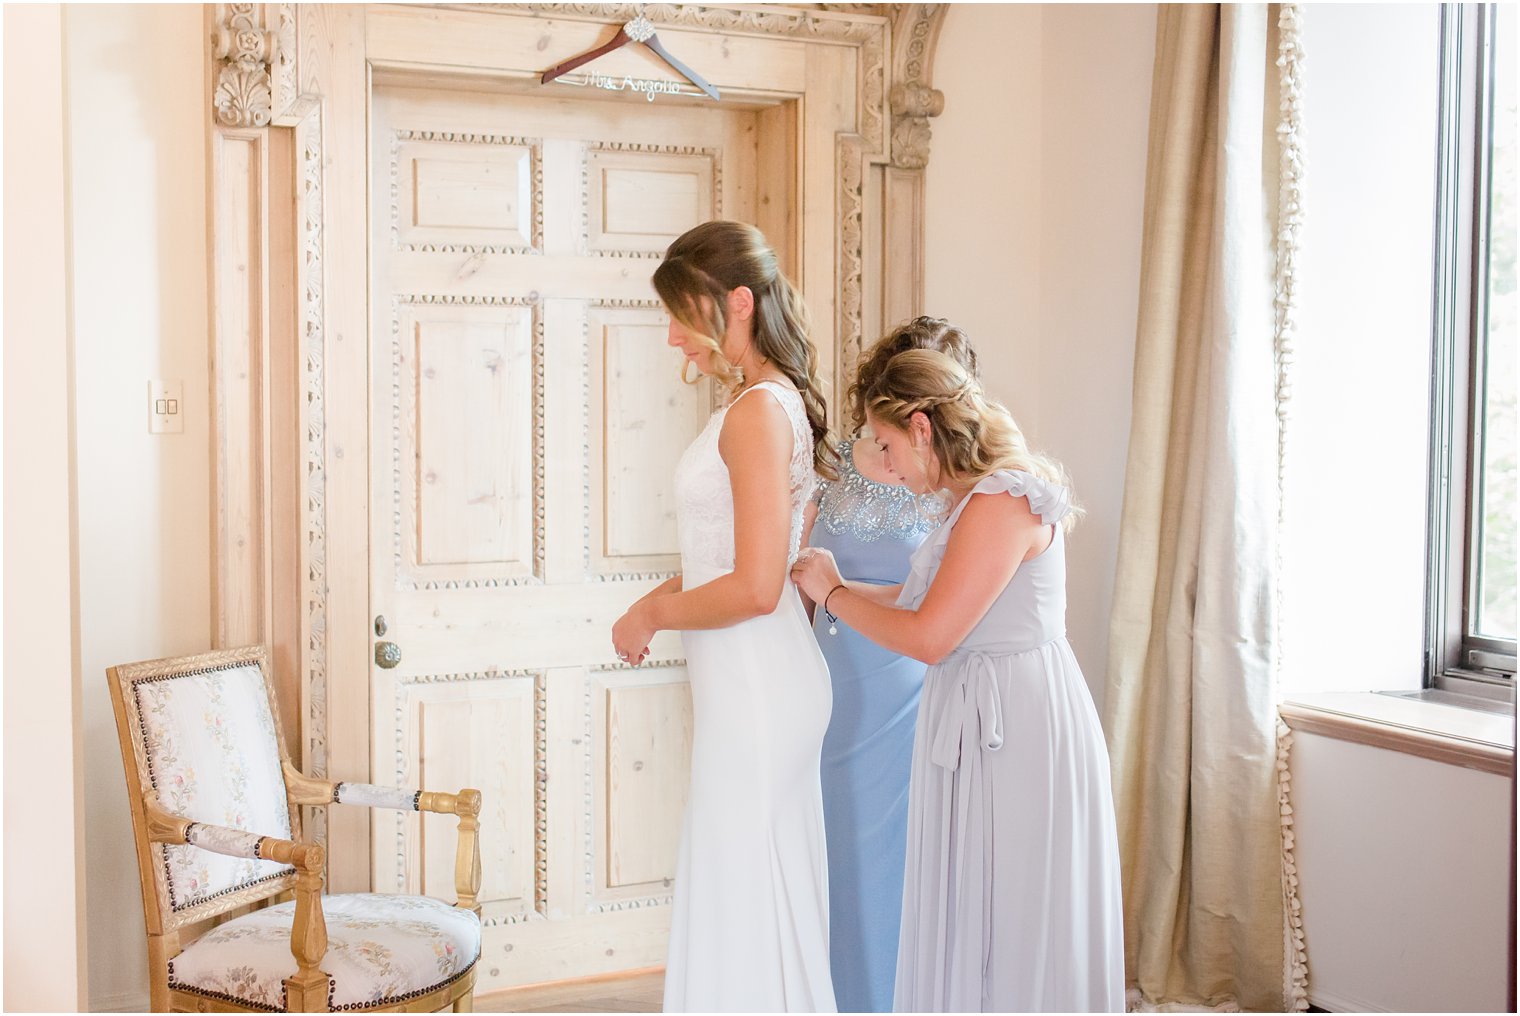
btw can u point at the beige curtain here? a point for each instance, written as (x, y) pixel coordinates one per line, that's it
(1190, 705)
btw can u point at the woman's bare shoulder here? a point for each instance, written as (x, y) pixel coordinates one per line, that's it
(755, 420)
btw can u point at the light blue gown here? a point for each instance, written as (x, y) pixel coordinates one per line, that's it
(872, 530)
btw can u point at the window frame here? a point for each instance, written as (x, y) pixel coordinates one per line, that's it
(1455, 659)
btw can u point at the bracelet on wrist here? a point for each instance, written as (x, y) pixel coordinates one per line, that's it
(832, 619)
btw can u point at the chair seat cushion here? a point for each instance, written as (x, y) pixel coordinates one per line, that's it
(381, 949)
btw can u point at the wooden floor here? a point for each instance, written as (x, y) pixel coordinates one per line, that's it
(640, 991)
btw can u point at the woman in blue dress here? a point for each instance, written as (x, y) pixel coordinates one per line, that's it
(872, 524)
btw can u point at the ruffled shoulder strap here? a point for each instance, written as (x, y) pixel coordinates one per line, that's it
(1050, 501)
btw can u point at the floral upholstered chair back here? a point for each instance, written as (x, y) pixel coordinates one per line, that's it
(204, 744)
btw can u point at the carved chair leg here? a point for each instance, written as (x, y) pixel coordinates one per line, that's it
(306, 990)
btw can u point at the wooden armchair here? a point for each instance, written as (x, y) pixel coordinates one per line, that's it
(216, 816)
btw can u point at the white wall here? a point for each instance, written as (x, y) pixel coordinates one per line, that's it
(1096, 98)
(137, 182)
(982, 201)
(1035, 196)
(44, 821)
(1403, 867)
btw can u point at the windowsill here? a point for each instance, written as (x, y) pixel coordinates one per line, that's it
(1473, 738)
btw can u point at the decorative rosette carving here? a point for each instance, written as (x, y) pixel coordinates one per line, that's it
(913, 101)
(243, 97)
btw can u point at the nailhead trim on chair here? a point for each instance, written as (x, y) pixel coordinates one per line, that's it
(222, 996)
(332, 987)
(392, 1000)
(220, 892)
(175, 905)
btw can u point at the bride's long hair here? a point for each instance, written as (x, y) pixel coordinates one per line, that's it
(710, 261)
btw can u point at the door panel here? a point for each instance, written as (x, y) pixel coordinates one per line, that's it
(481, 193)
(474, 503)
(638, 202)
(456, 730)
(526, 419)
(645, 746)
(639, 431)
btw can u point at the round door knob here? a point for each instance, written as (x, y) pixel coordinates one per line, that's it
(387, 655)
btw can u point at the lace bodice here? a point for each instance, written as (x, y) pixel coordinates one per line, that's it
(704, 494)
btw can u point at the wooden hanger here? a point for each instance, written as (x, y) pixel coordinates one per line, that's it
(640, 29)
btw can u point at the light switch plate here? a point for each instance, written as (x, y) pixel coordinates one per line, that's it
(166, 407)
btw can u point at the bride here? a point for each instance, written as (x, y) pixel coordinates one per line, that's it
(749, 930)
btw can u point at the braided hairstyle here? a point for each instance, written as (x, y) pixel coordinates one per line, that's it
(972, 435)
(923, 332)
(710, 261)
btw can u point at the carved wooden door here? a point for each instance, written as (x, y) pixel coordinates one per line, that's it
(526, 418)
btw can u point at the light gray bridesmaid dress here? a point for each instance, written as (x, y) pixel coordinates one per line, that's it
(1011, 901)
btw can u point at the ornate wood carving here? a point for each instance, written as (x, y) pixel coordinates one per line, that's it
(541, 794)
(912, 105)
(913, 100)
(244, 50)
(851, 162)
(257, 79)
(313, 562)
(284, 87)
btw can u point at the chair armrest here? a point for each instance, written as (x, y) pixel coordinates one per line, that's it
(306, 989)
(466, 805)
(305, 789)
(164, 827)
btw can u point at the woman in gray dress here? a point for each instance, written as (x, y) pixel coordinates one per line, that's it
(872, 524)
(1011, 896)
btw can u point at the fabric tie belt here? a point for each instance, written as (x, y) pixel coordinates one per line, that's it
(972, 711)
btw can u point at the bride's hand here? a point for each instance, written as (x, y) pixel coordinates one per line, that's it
(632, 634)
(816, 573)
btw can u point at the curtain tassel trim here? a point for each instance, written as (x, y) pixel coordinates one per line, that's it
(1289, 222)
(1297, 989)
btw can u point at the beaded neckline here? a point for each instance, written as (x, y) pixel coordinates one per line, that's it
(847, 453)
(869, 510)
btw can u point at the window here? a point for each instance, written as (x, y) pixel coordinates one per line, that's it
(1471, 610)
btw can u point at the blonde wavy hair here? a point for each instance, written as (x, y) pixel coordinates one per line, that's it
(972, 435)
(701, 268)
(923, 332)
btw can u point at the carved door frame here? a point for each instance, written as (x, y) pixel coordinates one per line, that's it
(288, 325)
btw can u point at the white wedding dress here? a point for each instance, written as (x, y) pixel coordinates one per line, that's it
(750, 927)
